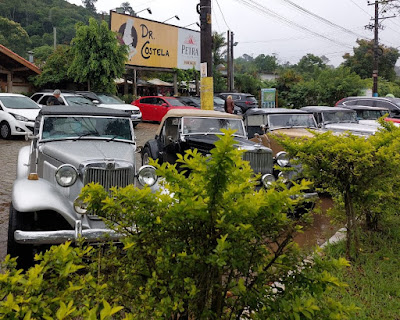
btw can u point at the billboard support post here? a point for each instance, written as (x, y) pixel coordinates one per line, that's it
(206, 86)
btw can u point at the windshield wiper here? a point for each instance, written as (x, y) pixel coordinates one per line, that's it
(96, 134)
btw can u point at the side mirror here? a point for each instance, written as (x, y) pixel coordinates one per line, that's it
(30, 136)
(139, 149)
(96, 101)
(164, 105)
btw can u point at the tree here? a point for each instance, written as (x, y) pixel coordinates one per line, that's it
(218, 51)
(266, 64)
(98, 58)
(361, 175)
(41, 54)
(309, 64)
(89, 4)
(127, 8)
(55, 70)
(14, 37)
(361, 62)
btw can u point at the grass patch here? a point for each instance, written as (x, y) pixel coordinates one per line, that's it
(374, 277)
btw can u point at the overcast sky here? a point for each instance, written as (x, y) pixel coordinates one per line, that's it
(275, 26)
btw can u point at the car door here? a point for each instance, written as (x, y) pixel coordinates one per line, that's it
(43, 100)
(146, 108)
(160, 108)
(170, 140)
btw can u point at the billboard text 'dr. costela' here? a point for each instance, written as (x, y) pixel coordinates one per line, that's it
(154, 44)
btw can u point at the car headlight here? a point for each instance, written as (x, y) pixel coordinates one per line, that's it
(20, 118)
(66, 175)
(147, 176)
(267, 180)
(284, 176)
(282, 159)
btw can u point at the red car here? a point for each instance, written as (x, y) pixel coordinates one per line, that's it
(154, 108)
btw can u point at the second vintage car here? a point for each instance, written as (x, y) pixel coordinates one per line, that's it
(182, 130)
(72, 147)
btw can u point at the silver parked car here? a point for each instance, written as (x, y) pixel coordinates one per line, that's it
(339, 120)
(71, 147)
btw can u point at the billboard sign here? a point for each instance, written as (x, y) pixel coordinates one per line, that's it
(268, 98)
(155, 44)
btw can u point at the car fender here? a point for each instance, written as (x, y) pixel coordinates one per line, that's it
(40, 195)
(154, 149)
(23, 162)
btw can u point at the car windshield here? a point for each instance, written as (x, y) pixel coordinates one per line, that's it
(370, 114)
(15, 102)
(195, 125)
(396, 101)
(251, 99)
(290, 121)
(109, 99)
(219, 101)
(86, 127)
(175, 102)
(339, 117)
(77, 101)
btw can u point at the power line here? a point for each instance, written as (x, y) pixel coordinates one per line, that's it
(326, 21)
(361, 8)
(262, 9)
(222, 13)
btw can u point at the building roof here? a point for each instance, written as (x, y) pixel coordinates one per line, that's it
(14, 62)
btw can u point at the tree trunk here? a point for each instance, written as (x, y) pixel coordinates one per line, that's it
(351, 225)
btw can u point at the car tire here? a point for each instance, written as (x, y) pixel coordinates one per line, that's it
(146, 155)
(24, 252)
(5, 130)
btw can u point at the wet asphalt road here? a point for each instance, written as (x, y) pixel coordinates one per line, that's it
(317, 234)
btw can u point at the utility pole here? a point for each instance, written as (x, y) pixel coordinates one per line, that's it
(376, 26)
(228, 60)
(232, 61)
(207, 90)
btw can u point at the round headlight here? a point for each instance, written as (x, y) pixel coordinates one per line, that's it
(284, 176)
(267, 180)
(282, 159)
(66, 175)
(147, 176)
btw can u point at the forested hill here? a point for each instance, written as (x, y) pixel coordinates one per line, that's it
(37, 18)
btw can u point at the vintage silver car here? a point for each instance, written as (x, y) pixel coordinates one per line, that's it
(339, 120)
(71, 147)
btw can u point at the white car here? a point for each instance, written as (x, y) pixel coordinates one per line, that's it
(66, 98)
(110, 101)
(17, 115)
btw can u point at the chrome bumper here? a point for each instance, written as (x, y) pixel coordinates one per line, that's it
(61, 236)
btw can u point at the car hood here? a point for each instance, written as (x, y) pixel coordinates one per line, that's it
(31, 114)
(370, 123)
(206, 142)
(118, 106)
(294, 132)
(353, 127)
(75, 153)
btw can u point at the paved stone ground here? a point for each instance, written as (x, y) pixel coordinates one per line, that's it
(8, 164)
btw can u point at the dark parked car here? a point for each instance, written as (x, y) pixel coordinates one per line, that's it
(154, 108)
(219, 103)
(182, 130)
(245, 101)
(393, 104)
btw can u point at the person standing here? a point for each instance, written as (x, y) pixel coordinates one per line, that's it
(229, 105)
(55, 98)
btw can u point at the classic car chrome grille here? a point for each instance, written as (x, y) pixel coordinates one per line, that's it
(260, 160)
(109, 178)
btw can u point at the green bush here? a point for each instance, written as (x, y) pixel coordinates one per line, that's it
(208, 246)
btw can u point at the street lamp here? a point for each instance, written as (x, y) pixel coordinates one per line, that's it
(198, 24)
(177, 18)
(148, 10)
